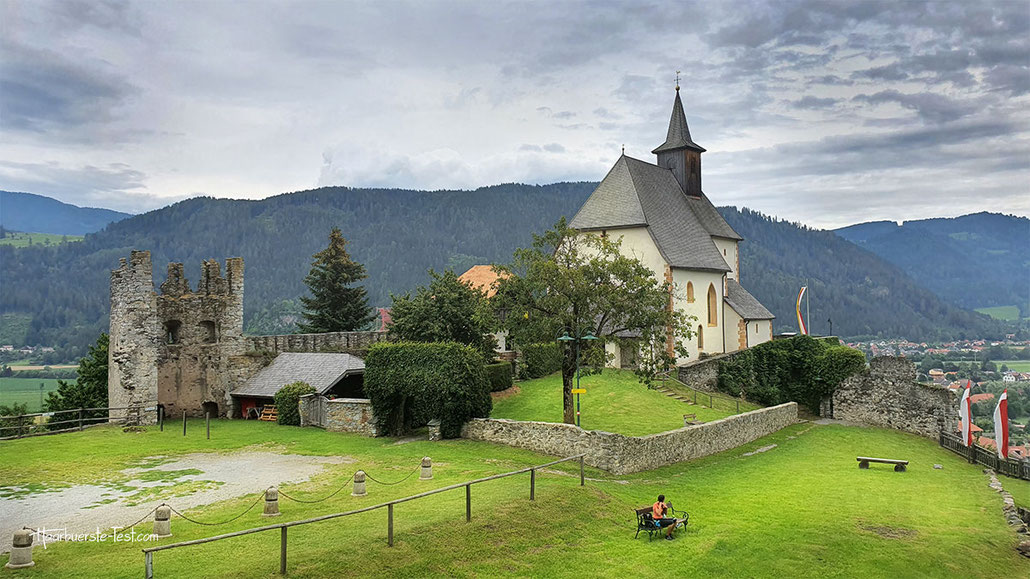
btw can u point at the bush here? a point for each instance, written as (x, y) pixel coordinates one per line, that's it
(411, 383)
(287, 402)
(541, 359)
(499, 376)
(799, 369)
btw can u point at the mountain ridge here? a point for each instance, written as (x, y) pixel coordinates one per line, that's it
(32, 213)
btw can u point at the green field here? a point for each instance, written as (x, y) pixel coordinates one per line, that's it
(615, 402)
(18, 239)
(801, 509)
(1015, 365)
(25, 391)
(1007, 313)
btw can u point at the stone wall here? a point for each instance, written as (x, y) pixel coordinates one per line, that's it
(342, 414)
(703, 374)
(331, 342)
(135, 334)
(621, 454)
(887, 395)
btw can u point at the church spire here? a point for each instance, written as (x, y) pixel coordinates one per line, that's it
(679, 133)
(678, 153)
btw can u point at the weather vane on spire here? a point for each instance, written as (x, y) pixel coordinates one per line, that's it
(678, 79)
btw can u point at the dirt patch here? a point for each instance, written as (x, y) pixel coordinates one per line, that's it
(185, 482)
(505, 393)
(890, 532)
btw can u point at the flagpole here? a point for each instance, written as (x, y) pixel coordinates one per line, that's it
(808, 301)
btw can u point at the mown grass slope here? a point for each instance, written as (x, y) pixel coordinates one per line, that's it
(800, 509)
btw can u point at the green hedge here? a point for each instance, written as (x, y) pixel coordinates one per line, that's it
(499, 376)
(287, 402)
(541, 359)
(411, 383)
(799, 369)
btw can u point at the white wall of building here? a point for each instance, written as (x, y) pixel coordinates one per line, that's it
(713, 335)
(728, 250)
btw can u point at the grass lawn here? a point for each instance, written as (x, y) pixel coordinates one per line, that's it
(18, 239)
(615, 402)
(1007, 313)
(802, 509)
(1015, 365)
(25, 391)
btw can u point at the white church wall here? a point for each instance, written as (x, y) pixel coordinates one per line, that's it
(728, 250)
(731, 329)
(759, 332)
(713, 338)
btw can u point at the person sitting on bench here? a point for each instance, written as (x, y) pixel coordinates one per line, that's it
(658, 511)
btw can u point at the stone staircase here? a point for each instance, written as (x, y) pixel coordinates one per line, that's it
(668, 392)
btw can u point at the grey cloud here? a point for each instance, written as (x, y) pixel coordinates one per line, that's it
(887, 72)
(115, 186)
(44, 91)
(930, 106)
(812, 102)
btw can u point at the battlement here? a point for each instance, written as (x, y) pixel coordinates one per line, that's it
(211, 281)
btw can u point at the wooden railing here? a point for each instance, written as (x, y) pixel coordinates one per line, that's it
(989, 458)
(148, 553)
(43, 423)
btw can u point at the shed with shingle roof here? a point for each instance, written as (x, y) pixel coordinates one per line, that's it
(325, 372)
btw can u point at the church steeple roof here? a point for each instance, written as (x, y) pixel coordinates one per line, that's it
(679, 133)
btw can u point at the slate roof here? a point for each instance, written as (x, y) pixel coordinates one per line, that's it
(636, 193)
(744, 303)
(679, 133)
(321, 371)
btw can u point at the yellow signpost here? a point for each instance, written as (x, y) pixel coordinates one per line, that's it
(579, 390)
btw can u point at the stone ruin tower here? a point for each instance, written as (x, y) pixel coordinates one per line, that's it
(177, 348)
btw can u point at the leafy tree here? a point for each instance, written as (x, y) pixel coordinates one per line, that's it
(446, 311)
(335, 306)
(287, 402)
(582, 282)
(89, 390)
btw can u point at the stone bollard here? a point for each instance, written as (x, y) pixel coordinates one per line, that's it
(434, 430)
(271, 502)
(359, 484)
(163, 521)
(427, 469)
(21, 552)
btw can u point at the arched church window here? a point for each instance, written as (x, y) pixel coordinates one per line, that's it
(713, 311)
(700, 339)
(690, 292)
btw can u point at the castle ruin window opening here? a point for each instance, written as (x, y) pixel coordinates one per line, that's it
(172, 328)
(209, 332)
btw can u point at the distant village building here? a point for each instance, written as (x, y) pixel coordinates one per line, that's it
(486, 279)
(666, 221)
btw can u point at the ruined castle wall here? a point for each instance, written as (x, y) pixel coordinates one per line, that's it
(132, 376)
(887, 395)
(330, 342)
(202, 331)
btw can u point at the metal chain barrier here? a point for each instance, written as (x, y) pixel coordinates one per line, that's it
(331, 495)
(369, 477)
(252, 505)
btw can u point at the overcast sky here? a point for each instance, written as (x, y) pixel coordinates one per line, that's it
(827, 113)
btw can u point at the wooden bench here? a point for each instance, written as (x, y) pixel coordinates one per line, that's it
(646, 522)
(269, 414)
(899, 465)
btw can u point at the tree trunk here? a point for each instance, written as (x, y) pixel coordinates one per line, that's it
(568, 378)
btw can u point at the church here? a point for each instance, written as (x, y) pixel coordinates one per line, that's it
(666, 221)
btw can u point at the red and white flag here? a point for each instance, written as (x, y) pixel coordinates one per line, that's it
(1001, 425)
(965, 414)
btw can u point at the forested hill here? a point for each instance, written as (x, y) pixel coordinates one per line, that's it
(975, 261)
(398, 234)
(38, 214)
(859, 291)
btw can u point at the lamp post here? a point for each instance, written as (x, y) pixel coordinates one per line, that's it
(565, 337)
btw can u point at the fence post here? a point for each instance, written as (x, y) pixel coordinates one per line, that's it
(738, 406)
(580, 471)
(161, 418)
(389, 525)
(282, 552)
(207, 419)
(80, 419)
(532, 484)
(710, 401)
(184, 423)
(21, 419)
(148, 565)
(468, 503)
(695, 396)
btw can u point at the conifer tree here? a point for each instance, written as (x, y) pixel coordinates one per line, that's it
(336, 304)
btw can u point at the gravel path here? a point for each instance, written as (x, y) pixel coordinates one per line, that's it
(85, 508)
